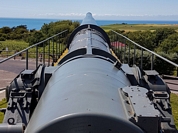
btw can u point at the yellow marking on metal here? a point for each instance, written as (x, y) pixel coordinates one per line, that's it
(112, 52)
(63, 54)
(66, 52)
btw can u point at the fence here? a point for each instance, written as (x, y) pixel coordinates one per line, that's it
(128, 52)
(46, 51)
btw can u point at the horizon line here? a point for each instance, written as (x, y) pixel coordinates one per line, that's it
(95, 19)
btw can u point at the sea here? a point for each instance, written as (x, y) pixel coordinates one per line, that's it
(36, 24)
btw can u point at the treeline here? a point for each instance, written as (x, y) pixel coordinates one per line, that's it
(33, 36)
(14, 33)
(163, 41)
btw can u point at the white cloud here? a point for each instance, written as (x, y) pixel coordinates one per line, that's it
(107, 16)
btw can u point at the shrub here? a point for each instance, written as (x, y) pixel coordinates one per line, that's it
(159, 65)
(2, 39)
(162, 66)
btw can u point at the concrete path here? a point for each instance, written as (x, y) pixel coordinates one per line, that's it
(5, 79)
(172, 84)
(9, 70)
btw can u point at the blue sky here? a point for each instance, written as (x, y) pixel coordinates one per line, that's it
(101, 9)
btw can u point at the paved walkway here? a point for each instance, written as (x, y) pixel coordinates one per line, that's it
(172, 84)
(9, 70)
(5, 79)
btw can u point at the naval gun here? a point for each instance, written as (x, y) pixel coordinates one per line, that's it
(89, 91)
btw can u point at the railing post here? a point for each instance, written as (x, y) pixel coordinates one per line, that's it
(115, 45)
(60, 52)
(53, 54)
(56, 48)
(134, 54)
(152, 61)
(26, 59)
(49, 53)
(43, 53)
(121, 50)
(129, 55)
(142, 59)
(124, 50)
(53, 46)
(36, 56)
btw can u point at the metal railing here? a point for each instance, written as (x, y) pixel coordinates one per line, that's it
(126, 50)
(47, 51)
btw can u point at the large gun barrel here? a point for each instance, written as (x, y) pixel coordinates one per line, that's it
(88, 35)
(86, 88)
(89, 91)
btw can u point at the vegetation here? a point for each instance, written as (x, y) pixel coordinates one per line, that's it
(162, 39)
(169, 44)
(33, 36)
(19, 38)
(138, 27)
(15, 33)
(3, 104)
(15, 46)
(174, 105)
(150, 39)
(51, 29)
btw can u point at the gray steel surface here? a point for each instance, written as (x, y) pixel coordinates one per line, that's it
(140, 102)
(82, 86)
(88, 19)
(88, 39)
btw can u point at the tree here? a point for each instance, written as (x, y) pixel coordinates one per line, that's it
(5, 30)
(162, 33)
(162, 66)
(45, 29)
(144, 38)
(35, 37)
(170, 44)
(21, 29)
(59, 26)
(2, 39)
(114, 37)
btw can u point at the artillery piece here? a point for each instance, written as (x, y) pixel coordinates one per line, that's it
(89, 91)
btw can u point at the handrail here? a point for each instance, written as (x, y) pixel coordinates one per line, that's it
(174, 64)
(36, 44)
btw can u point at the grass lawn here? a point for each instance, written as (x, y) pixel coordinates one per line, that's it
(18, 45)
(3, 104)
(138, 27)
(174, 105)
